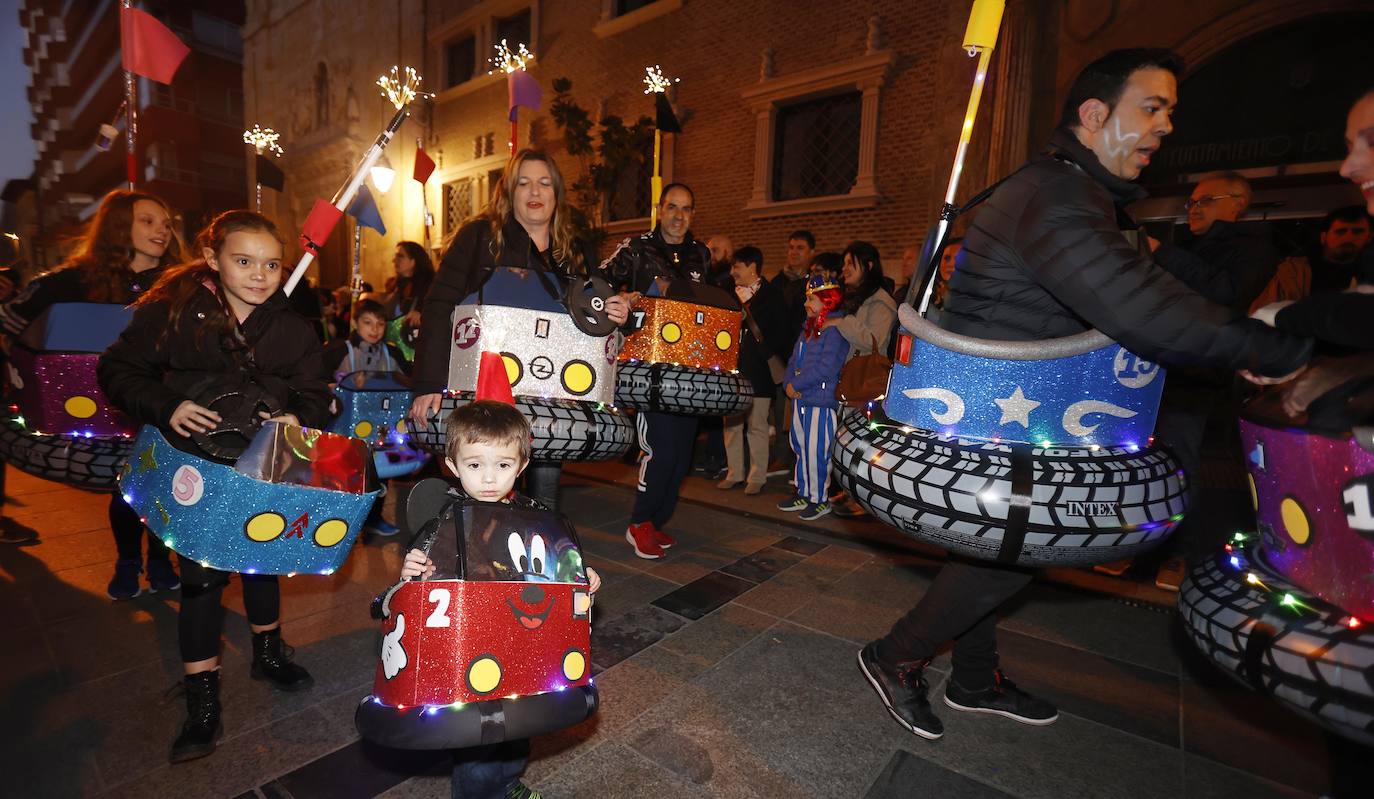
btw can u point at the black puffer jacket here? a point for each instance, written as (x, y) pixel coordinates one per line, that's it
(770, 314)
(1050, 254)
(466, 261)
(638, 260)
(147, 376)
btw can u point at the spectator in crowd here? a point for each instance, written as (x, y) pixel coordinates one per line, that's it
(1345, 236)
(722, 257)
(763, 342)
(948, 259)
(791, 282)
(870, 313)
(909, 257)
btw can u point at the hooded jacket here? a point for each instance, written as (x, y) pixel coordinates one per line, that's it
(1053, 253)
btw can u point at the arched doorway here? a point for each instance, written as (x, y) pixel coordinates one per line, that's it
(1271, 107)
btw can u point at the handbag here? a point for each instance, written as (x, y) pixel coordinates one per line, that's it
(776, 367)
(864, 378)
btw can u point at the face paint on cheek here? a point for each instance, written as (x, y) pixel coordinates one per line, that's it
(1118, 143)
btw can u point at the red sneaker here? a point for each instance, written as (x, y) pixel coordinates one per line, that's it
(664, 540)
(645, 542)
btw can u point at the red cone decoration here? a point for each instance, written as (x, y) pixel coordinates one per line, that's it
(492, 381)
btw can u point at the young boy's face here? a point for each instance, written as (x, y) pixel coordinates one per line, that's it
(371, 328)
(813, 305)
(487, 471)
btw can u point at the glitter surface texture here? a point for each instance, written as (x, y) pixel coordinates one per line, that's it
(220, 517)
(450, 641)
(546, 355)
(1107, 397)
(58, 394)
(684, 333)
(1313, 496)
(372, 407)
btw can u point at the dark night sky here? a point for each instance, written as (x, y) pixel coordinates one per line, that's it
(16, 141)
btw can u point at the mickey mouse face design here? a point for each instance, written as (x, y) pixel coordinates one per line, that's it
(532, 565)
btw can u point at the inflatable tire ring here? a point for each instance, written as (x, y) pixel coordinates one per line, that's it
(564, 430)
(89, 463)
(1088, 506)
(475, 723)
(1310, 659)
(680, 389)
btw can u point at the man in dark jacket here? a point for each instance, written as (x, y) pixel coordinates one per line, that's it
(1051, 254)
(666, 438)
(1230, 265)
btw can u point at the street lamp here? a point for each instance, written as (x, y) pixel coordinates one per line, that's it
(383, 175)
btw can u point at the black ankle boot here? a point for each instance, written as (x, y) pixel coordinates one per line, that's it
(272, 662)
(202, 728)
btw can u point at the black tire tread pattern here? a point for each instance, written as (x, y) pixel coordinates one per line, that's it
(564, 430)
(667, 388)
(1308, 658)
(937, 490)
(89, 463)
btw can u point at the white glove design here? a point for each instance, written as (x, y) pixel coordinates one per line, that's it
(393, 655)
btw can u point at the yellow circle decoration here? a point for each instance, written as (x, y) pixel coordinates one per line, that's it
(574, 665)
(671, 333)
(362, 429)
(80, 407)
(724, 340)
(1254, 492)
(514, 371)
(1295, 521)
(484, 674)
(401, 425)
(331, 532)
(578, 378)
(265, 526)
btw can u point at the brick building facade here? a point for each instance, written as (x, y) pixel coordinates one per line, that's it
(886, 78)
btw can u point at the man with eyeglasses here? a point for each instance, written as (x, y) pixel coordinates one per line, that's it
(1227, 263)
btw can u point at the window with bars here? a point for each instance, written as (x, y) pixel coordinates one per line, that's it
(460, 61)
(457, 203)
(631, 197)
(816, 147)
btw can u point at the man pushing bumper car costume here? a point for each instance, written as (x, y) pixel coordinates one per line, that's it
(1051, 254)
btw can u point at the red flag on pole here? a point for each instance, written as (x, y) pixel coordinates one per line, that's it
(424, 166)
(323, 217)
(147, 47)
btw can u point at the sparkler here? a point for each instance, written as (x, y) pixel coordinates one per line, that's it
(400, 88)
(655, 82)
(263, 140)
(510, 62)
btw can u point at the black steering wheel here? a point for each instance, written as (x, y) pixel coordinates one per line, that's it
(240, 413)
(587, 305)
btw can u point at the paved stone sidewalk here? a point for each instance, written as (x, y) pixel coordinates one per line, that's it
(726, 669)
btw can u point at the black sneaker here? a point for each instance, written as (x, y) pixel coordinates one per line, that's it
(904, 693)
(1002, 699)
(793, 505)
(522, 791)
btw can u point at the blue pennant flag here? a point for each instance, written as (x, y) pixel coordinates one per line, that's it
(364, 210)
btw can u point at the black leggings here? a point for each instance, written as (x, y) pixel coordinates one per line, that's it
(202, 616)
(128, 533)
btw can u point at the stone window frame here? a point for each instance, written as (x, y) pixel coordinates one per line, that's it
(609, 24)
(866, 74)
(480, 22)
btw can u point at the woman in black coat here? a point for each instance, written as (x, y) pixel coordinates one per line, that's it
(528, 224)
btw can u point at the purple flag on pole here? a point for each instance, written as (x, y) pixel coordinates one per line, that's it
(524, 90)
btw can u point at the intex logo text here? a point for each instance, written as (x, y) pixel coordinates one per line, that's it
(1093, 509)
